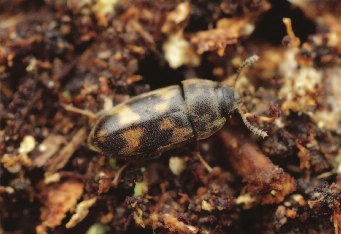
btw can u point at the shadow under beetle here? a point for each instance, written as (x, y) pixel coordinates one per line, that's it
(163, 119)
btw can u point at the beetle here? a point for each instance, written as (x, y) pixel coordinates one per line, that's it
(160, 120)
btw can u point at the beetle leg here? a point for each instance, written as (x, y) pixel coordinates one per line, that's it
(196, 152)
(259, 118)
(88, 113)
(116, 181)
(202, 160)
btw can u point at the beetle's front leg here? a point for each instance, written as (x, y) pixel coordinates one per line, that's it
(254, 117)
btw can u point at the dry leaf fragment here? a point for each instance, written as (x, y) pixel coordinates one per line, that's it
(58, 200)
(82, 211)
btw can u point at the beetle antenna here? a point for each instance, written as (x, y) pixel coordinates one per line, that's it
(247, 63)
(253, 129)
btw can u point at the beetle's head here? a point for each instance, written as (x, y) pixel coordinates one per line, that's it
(229, 101)
(231, 97)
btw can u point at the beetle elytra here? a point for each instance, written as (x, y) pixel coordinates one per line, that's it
(163, 119)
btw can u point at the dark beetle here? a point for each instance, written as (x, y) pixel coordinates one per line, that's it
(160, 120)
